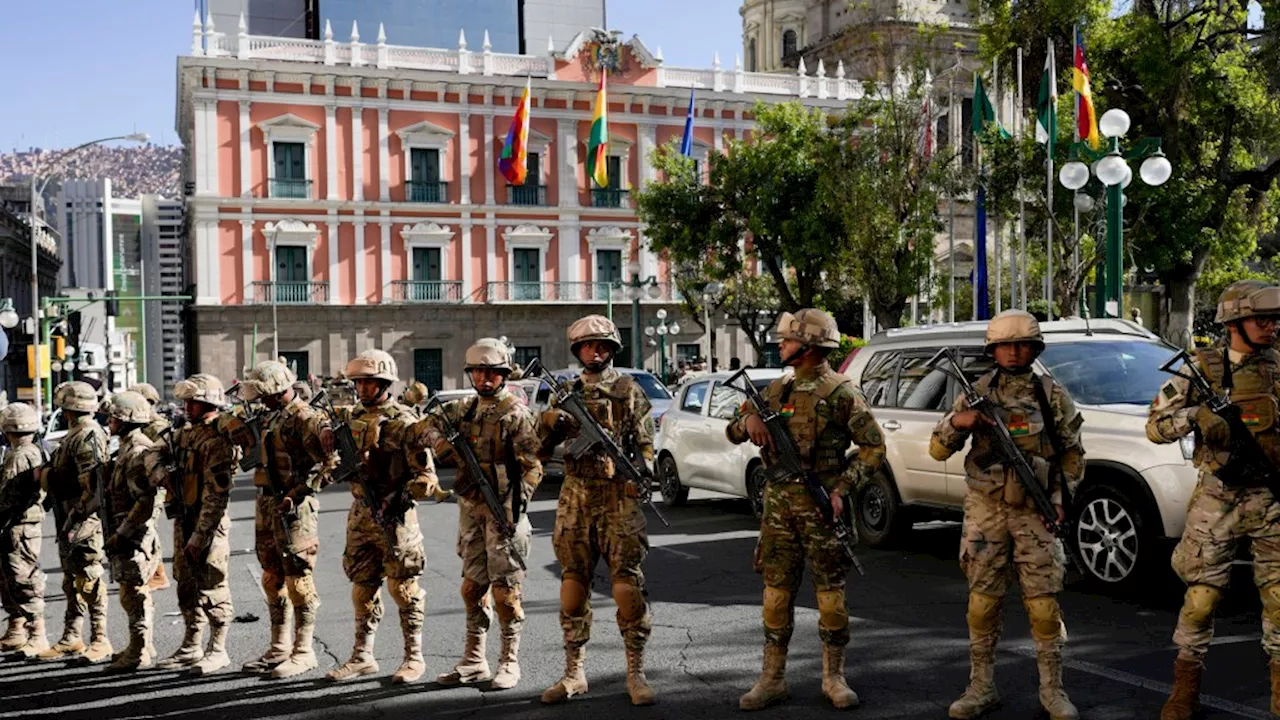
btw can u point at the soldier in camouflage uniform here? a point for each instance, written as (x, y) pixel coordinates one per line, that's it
(155, 430)
(503, 434)
(383, 539)
(205, 452)
(1001, 525)
(72, 480)
(1225, 509)
(826, 414)
(21, 513)
(295, 446)
(132, 542)
(415, 394)
(599, 514)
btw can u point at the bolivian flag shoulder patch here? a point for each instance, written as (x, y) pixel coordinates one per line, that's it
(1018, 425)
(788, 411)
(1251, 419)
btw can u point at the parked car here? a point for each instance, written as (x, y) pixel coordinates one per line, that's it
(1134, 493)
(692, 450)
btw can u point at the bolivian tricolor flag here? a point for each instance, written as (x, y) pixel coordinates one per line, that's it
(513, 163)
(1086, 115)
(598, 145)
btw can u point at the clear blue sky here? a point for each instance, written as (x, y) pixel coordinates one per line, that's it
(84, 69)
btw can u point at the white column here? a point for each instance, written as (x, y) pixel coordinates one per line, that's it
(203, 157)
(464, 157)
(570, 241)
(211, 145)
(246, 256)
(490, 166)
(384, 256)
(334, 284)
(465, 230)
(648, 261)
(357, 154)
(568, 131)
(206, 258)
(361, 292)
(384, 156)
(648, 141)
(331, 153)
(490, 248)
(718, 131)
(246, 161)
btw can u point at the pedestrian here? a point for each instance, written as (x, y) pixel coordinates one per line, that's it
(155, 430)
(297, 450)
(21, 514)
(599, 514)
(75, 470)
(502, 433)
(1003, 532)
(735, 364)
(132, 543)
(1226, 507)
(825, 415)
(205, 452)
(383, 539)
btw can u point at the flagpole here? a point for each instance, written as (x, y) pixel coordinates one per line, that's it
(1022, 202)
(1075, 250)
(1048, 295)
(995, 87)
(951, 204)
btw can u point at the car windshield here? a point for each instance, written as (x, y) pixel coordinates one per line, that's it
(1105, 372)
(651, 386)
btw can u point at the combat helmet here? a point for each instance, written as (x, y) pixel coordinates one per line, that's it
(201, 387)
(272, 377)
(810, 326)
(131, 407)
(372, 364)
(146, 390)
(77, 396)
(1247, 298)
(1013, 326)
(415, 393)
(18, 418)
(488, 354)
(593, 327)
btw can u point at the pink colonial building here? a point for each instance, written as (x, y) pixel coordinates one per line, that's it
(350, 191)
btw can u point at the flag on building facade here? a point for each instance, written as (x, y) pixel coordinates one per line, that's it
(1047, 104)
(984, 115)
(513, 163)
(1086, 115)
(686, 143)
(598, 144)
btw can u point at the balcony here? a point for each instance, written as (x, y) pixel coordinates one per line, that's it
(290, 293)
(426, 291)
(427, 191)
(291, 188)
(564, 292)
(526, 194)
(610, 198)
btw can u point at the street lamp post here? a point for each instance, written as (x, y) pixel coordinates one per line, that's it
(662, 328)
(710, 294)
(1111, 167)
(636, 288)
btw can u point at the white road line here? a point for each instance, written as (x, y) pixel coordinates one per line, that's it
(677, 553)
(257, 582)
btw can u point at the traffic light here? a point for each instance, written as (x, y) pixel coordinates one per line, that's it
(113, 305)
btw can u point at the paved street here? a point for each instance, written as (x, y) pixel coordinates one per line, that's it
(908, 658)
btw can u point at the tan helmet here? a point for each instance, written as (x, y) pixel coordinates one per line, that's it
(1013, 326)
(18, 418)
(1247, 298)
(146, 390)
(488, 353)
(271, 377)
(415, 393)
(131, 407)
(811, 327)
(594, 327)
(78, 397)
(373, 364)
(202, 387)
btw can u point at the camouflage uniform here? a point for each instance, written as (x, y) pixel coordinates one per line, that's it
(72, 480)
(600, 516)
(826, 414)
(393, 547)
(139, 468)
(205, 452)
(1224, 510)
(21, 514)
(1003, 531)
(503, 435)
(155, 430)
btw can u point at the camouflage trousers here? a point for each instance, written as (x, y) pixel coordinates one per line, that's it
(997, 535)
(135, 565)
(81, 556)
(203, 585)
(792, 529)
(394, 552)
(486, 554)
(596, 519)
(1218, 518)
(21, 579)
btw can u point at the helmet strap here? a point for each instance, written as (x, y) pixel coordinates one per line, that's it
(1244, 336)
(790, 359)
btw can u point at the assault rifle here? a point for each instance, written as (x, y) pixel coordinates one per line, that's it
(252, 457)
(349, 465)
(100, 505)
(458, 440)
(278, 491)
(592, 438)
(1011, 454)
(1247, 463)
(787, 464)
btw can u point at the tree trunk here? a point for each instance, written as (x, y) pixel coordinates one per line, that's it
(1180, 302)
(889, 316)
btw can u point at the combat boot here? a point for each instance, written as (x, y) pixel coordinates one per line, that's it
(981, 695)
(1184, 700)
(834, 686)
(473, 667)
(414, 664)
(574, 681)
(278, 652)
(772, 685)
(303, 658)
(36, 640)
(637, 685)
(99, 649)
(68, 646)
(361, 662)
(16, 636)
(1052, 695)
(508, 663)
(215, 656)
(192, 648)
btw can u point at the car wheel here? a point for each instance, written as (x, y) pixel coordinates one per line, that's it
(673, 493)
(755, 488)
(881, 518)
(1110, 535)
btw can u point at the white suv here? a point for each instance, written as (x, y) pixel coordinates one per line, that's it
(1134, 494)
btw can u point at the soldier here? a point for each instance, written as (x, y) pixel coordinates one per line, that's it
(1225, 508)
(206, 456)
(155, 430)
(826, 414)
(503, 434)
(1001, 525)
(132, 542)
(599, 514)
(72, 479)
(296, 443)
(383, 539)
(414, 394)
(21, 513)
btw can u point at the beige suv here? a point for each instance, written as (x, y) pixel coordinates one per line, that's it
(1134, 494)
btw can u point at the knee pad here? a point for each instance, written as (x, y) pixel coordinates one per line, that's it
(1271, 603)
(573, 597)
(629, 599)
(1200, 601)
(474, 595)
(302, 591)
(776, 608)
(832, 613)
(984, 612)
(1046, 618)
(405, 593)
(507, 603)
(365, 600)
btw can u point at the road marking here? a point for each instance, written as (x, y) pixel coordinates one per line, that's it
(677, 553)
(664, 542)
(257, 582)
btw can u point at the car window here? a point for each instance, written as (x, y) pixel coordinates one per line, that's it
(652, 388)
(877, 378)
(921, 387)
(695, 397)
(725, 402)
(1107, 372)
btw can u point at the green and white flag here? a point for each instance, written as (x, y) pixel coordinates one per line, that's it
(1047, 104)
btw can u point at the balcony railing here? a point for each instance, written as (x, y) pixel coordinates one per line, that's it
(526, 194)
(428, 191)
(291, 293)
(290, 188)
(579, 292)
(426, 291)
(610, 198)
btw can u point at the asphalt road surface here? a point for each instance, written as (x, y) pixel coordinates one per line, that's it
(908, 658)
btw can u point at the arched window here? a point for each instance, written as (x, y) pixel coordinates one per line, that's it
(751, 55)
(788, 43)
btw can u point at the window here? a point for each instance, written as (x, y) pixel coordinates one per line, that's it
(426, 264)
(290, 180)
(613, 167)
(788, 43)
(525, 355)
(612, 195)
(428, 368)
(292, 284)
(751, 55)
(299, 361)
(624, 355)
(942, 133)
(526, 274)
(878, 380)
(424, 168)
(725, 402)
(772, 355)
(920, 387)
(695, 397)
(532, 192)
(608, 269)
(688, 352)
